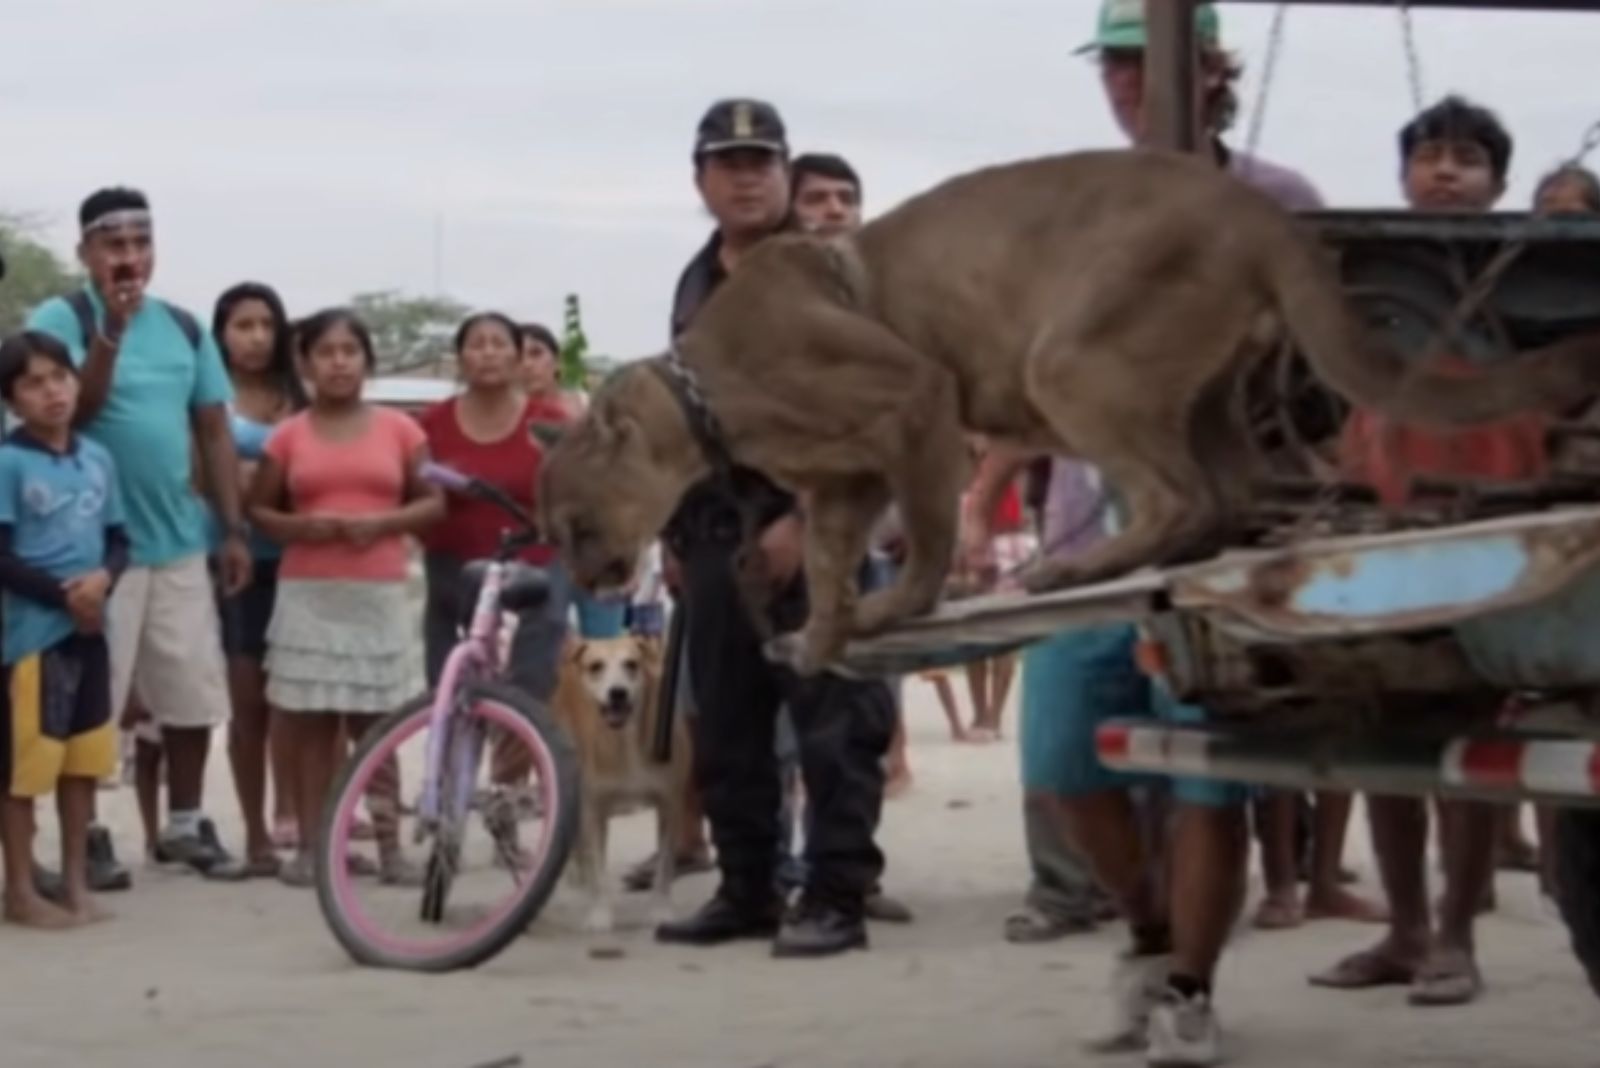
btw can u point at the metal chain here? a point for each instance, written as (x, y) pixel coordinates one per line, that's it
(1269, 68)
(1408, 38)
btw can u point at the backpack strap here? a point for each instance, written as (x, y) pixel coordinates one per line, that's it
(78, 301)
(186, 322)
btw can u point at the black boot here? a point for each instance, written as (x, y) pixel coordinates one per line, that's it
(724, 918)
(817, 930)
(882, 908)
(105, 874)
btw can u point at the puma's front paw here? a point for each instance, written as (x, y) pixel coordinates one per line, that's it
(1042, 576)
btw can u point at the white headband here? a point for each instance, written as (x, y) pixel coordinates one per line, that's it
(112, 220)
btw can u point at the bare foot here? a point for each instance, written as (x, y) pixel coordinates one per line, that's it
(87, 910)
(979, 736)
(1279, 912)
(34, 911)
(1341, 904)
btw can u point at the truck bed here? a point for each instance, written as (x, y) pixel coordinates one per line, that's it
(1493, 580)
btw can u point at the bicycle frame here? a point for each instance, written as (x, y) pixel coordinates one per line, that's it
(475, 656)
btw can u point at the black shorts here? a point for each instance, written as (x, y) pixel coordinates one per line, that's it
(245, 616)
(57, 716)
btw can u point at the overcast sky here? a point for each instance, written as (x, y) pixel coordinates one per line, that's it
(320, 145)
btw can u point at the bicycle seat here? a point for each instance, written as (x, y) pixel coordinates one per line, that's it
(523, 587)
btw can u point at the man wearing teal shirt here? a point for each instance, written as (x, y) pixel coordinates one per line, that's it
(154, 386)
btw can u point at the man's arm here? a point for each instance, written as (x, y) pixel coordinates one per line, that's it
(220, 463)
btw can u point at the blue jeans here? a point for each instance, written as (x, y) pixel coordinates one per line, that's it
(1070, 685)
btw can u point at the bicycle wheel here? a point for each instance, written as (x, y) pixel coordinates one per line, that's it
(534, 793)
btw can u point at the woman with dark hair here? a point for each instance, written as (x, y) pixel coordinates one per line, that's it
(340, 487)
(541, 370)
(487, 432)
(253, 334)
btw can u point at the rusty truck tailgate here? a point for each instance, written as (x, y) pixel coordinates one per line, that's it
(1314, 590)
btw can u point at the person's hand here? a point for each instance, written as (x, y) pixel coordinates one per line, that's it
(236, 564)
(361, 531)
(671, 572)
(976, 545)
(318, 528)
(86, 600)
(782, 547)
(975, 565)
(120, 302)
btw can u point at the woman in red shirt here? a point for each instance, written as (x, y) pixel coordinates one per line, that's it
(487, 432)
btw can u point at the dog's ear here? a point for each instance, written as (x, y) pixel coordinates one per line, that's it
(578, 651)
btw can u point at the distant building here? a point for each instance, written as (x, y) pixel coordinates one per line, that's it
(410, 393)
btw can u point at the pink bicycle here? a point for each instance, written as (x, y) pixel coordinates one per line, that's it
(483, 749)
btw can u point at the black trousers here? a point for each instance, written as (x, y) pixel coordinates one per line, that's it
(843, 728)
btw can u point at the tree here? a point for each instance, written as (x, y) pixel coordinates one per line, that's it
(34, 273)
(411, 334)
(574, 346)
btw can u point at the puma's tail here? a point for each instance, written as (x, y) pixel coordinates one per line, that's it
(1368, 371)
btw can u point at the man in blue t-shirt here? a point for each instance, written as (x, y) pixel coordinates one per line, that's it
(154, 387)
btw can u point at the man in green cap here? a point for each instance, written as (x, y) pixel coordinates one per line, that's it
(1162, 983)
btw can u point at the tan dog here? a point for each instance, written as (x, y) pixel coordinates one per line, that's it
(607, 699)
(1101, 305)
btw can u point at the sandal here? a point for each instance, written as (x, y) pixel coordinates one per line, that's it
(298, 872)
(361, 866)
(241, 869)
(1447, 977)
(1030, 926)
(398, 870)
(1367, 970)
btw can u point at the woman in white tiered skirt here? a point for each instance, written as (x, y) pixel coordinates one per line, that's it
(340, 489)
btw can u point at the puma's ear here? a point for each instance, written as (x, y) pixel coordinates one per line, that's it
(846, 272)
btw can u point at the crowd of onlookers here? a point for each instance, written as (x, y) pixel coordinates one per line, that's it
(208, 524)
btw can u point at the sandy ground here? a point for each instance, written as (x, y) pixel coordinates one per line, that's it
(192, 973)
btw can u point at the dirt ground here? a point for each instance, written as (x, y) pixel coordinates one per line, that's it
(191, 973)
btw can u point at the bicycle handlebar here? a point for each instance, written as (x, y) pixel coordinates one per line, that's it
(453, 481)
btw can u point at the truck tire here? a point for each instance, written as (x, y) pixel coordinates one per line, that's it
(1578, 885)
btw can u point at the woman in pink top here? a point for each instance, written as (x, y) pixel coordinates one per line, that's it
(339, 489)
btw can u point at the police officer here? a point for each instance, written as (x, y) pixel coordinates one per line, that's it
(741, 160)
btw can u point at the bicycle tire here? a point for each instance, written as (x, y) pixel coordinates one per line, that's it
(560, 764)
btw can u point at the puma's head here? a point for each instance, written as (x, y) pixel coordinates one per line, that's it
(608, 485)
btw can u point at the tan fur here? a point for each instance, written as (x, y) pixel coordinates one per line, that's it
(1097, 304)
(618, 770)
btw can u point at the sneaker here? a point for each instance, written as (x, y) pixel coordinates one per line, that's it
(105, 874)
(1183, 1033)
(201, 850)
(1137, 984)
